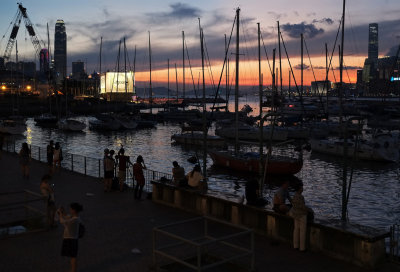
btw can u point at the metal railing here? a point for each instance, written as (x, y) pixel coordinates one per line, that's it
(85, 165)
(201, 244)
(394, 243)
(21, 212)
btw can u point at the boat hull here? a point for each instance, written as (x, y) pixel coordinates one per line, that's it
(198, 140)
(276, 165)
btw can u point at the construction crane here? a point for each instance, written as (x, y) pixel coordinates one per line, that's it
(21, 14)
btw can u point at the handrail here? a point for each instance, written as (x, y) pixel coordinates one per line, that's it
(85, 165)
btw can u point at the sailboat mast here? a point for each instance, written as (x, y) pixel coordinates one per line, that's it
(101, 45)
(168, 83)
(261, 100)
(119, 58)
(280, 57)
(302, 62)
(151, 87)
(237, 84)
(125, 65)
(226, 77)
(326, 80)
(204, 106)
(176, 81)
(344, 176)
(183, 64)
(134, 71)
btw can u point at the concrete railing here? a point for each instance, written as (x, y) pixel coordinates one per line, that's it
(361, 245)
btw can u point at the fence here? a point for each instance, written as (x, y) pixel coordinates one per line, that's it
(201, 244)
(86, 165)
(21, 212)
(394, 243)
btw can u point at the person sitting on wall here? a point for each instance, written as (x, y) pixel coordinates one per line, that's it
(253, 194)
(194, 177)
(280, 197)
(178, 175)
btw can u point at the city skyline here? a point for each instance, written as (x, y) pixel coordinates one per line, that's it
(318, 20)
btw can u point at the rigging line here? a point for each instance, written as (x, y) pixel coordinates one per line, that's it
(266, 54)
(247, 55)
(333, 51)
(210, 74)
(223, 66)
(347, 72)
(191, 71)
(291, 70)
(312, 69)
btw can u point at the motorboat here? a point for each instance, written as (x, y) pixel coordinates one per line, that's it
(46, 120)
(71, 125)
(383, 147)
(197, 138)
(13, 127)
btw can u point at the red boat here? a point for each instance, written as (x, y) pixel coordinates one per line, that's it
(250, 162)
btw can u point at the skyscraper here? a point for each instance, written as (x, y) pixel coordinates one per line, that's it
(78, 69)
(373, 44)
(44, 61)
(60, 51)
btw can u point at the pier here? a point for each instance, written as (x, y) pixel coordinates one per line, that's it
(119, 229)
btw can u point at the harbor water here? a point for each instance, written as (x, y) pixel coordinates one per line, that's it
(374, 196)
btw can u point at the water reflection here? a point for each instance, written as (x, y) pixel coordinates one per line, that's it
(374, 198)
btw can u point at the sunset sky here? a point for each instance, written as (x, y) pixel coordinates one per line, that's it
(87, 21)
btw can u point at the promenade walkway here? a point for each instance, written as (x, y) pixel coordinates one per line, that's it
(116, 224)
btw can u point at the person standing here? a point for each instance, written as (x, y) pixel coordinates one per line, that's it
(178, 174)
(24, 160)
(71, 224)
(122, 163)
(57, 156)
(109, 171)
(49, 153)
(1, 144)
(138, 167)
(299, 213)
(48, 195)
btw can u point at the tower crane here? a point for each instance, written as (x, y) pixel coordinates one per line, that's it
(21, 15)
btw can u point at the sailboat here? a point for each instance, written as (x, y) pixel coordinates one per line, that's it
(252, 161)
(69, 124)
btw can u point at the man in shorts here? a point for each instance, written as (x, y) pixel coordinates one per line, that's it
(122, 163)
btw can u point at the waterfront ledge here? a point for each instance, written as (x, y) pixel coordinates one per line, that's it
(360, 245)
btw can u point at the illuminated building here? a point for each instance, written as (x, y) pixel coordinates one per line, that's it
(117, 86)
(373, 44)
(60, 51)
(44, 61)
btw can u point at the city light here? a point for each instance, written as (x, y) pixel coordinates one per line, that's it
(3, 87)
(28, 88)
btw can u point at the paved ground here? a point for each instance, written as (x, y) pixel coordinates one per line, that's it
(116, 224)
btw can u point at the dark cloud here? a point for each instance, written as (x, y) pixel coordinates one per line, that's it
(105, 12)
(327, 21)
(179, 11)
(309, 30)
(298, 67)
(392, 51)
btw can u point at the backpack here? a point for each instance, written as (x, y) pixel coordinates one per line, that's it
(81, 230)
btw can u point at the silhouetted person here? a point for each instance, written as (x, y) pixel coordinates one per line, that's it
(138, 167)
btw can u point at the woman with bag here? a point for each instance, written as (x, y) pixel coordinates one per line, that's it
(24, 160)
(72, 224)
(138, 167)
(299, 213)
